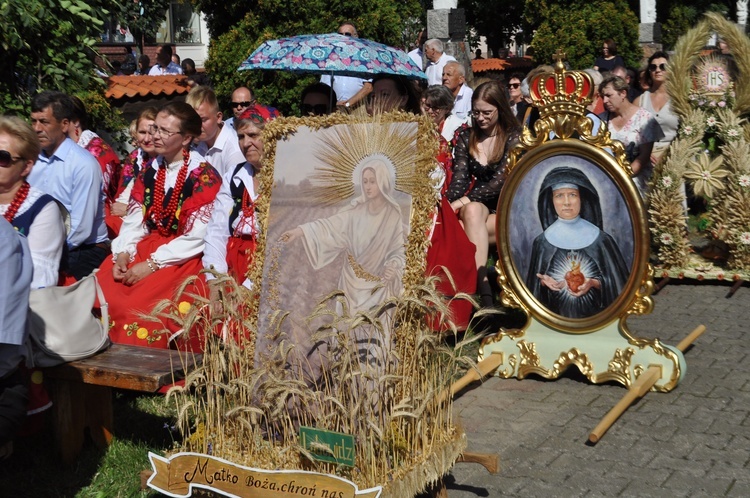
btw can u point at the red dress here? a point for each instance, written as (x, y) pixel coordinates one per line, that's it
(128, 304)
(451, 250)
(131, 167)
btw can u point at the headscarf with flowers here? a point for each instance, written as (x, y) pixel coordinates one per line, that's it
(258, 115)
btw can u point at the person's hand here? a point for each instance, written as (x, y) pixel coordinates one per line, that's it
(587, 285)
(119, 209)
(291, 235)
(214, 297)
(551, 283)
(136, 273)
(121, 266)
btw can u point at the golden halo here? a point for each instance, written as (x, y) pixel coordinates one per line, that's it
(344, 148)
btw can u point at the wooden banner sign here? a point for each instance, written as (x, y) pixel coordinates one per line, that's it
(177, 475)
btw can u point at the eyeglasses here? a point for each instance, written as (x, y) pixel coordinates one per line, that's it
(654, 67)
(430, 108)
(315, 110)
(484, 114)
(6, 159)
(243, 104)
(514, 85)
(346, 33)
(155, 130)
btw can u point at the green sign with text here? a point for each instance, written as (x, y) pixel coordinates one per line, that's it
(328, 446)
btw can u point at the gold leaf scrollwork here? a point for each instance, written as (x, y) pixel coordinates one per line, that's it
(644, 303)
(620, 363)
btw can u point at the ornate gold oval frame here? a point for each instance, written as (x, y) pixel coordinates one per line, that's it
(515, 290)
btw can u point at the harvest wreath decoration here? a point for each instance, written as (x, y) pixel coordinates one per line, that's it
(708, 155)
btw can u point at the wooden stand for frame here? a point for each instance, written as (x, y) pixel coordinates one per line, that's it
(643, 385)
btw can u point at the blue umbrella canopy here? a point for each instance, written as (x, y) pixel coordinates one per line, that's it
(332, 53)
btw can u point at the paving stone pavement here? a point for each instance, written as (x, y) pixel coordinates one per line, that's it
(693, 441)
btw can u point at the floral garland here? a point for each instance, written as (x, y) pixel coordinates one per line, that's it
(709, 153)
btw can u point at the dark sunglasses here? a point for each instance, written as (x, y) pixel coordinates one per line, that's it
(6, 159)
(243, 104)
(653, 67)
(513, 85)
(346, 33)
(316, 110)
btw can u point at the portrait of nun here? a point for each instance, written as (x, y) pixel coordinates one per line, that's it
(576, 269)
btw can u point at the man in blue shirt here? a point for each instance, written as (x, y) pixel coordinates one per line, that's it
(15, 282)
(70, 174)
(164, 64)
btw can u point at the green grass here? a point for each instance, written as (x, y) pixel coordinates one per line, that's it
(34, 469)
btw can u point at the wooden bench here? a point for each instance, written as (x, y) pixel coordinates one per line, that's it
(81, 391)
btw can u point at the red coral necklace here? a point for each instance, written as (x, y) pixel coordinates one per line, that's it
(248, 215)
(157, 211)
(18, 199)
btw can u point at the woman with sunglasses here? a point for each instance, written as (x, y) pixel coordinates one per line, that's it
(634, 126)
(480, 155)
(132, 166)
(515, 96)
(609, 58)
(31, 212)
(656, 100)
(317, 99)
(161, 240)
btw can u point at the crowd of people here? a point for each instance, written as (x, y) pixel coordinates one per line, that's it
(183, 200)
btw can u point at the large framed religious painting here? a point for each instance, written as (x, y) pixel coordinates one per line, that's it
(349, 202)
(573, 234)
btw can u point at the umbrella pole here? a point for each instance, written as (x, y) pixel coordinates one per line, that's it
(331, 103)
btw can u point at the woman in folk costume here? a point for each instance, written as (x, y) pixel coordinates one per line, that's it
(233, 229)
(161, 240)
(32, 213)
(132, 166)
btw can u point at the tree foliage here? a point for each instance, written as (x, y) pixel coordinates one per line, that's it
(143, 17)
(386, 21)
(47, 45)
(578, 27)
(483, 15)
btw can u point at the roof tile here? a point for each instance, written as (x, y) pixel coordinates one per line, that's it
(125, 87)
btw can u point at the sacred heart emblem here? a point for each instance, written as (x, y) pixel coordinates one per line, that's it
(574, 277)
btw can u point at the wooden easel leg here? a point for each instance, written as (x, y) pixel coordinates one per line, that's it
(734, 288)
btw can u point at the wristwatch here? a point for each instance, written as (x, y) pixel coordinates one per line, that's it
(346, 104)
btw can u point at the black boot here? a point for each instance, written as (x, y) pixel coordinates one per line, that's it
(484, 289)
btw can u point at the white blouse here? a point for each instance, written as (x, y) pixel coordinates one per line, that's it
(46, 238)
(217, 234)
(181, 248)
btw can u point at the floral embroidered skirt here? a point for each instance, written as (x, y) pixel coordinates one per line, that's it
(129, 304)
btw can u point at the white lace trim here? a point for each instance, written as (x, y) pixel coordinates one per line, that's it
(34, 195)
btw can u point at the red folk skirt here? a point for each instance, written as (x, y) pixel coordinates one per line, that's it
(452, 250)
(128, 304)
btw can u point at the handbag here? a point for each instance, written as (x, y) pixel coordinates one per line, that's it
(61, 324)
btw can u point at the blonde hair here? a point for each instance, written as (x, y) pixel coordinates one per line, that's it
(16, 127)
(202, 94)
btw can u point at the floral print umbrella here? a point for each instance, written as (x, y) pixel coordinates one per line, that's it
(332, 54)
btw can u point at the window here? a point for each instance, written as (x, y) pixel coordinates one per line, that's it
(182, 25)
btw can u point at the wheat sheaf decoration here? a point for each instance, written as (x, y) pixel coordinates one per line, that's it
(710, 151)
